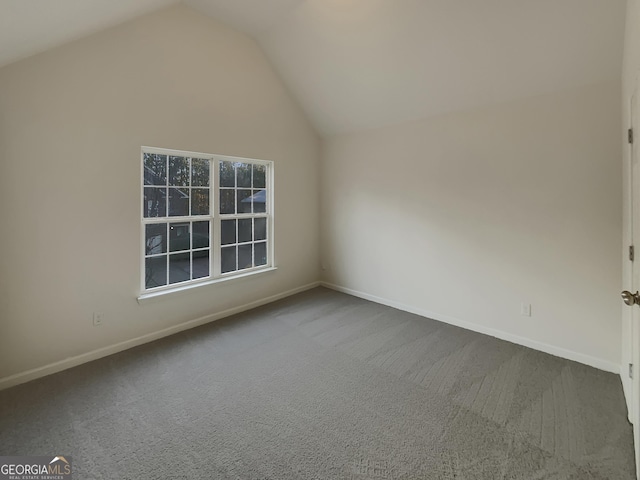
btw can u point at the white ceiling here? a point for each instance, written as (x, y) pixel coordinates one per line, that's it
(250, 16)
(357, 64)
(32, 26)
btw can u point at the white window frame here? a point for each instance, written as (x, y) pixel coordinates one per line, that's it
(215, 219)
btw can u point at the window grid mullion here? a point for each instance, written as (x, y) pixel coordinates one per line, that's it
(168, 264)
(215, 256)
(235, 211)
(190, 235)
(198, 218)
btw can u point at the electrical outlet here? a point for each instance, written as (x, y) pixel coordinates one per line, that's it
(98, 318)
(525, 309)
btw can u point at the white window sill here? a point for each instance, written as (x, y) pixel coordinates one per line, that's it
(172, 292)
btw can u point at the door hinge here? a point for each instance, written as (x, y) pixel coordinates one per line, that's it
(630, 135)
(632, 253)
(631, 370)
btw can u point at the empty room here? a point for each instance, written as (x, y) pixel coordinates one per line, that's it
(319, 239)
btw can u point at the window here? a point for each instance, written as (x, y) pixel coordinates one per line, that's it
(204, 217)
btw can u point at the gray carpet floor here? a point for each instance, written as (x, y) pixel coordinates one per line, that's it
(323, 385)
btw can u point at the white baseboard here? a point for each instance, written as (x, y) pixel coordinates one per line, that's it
(70, 362)
(543, 347)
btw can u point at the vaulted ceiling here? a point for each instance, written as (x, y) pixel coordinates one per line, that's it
(358, 64)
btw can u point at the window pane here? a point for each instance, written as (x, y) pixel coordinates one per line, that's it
(155, 169)
(179, 171)
(228, 232)
(244, 230)
(260, 253)
(227, 201)
(244, 202)
(228, 259)
(179, 267)
(156, 239)
(259, 201)
(199, 172)
(201, 264)
(259, 176)
(227, 175)
(244, 175)
(178, 202)
(179, 237)
(260, 229)
(155, 202)
(200, 201)
(245, 259)
(183, 193)
(201, 234)
(155, 271)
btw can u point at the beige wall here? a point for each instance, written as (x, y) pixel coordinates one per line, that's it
(461, 217)
(466, 216)
(72, 122)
